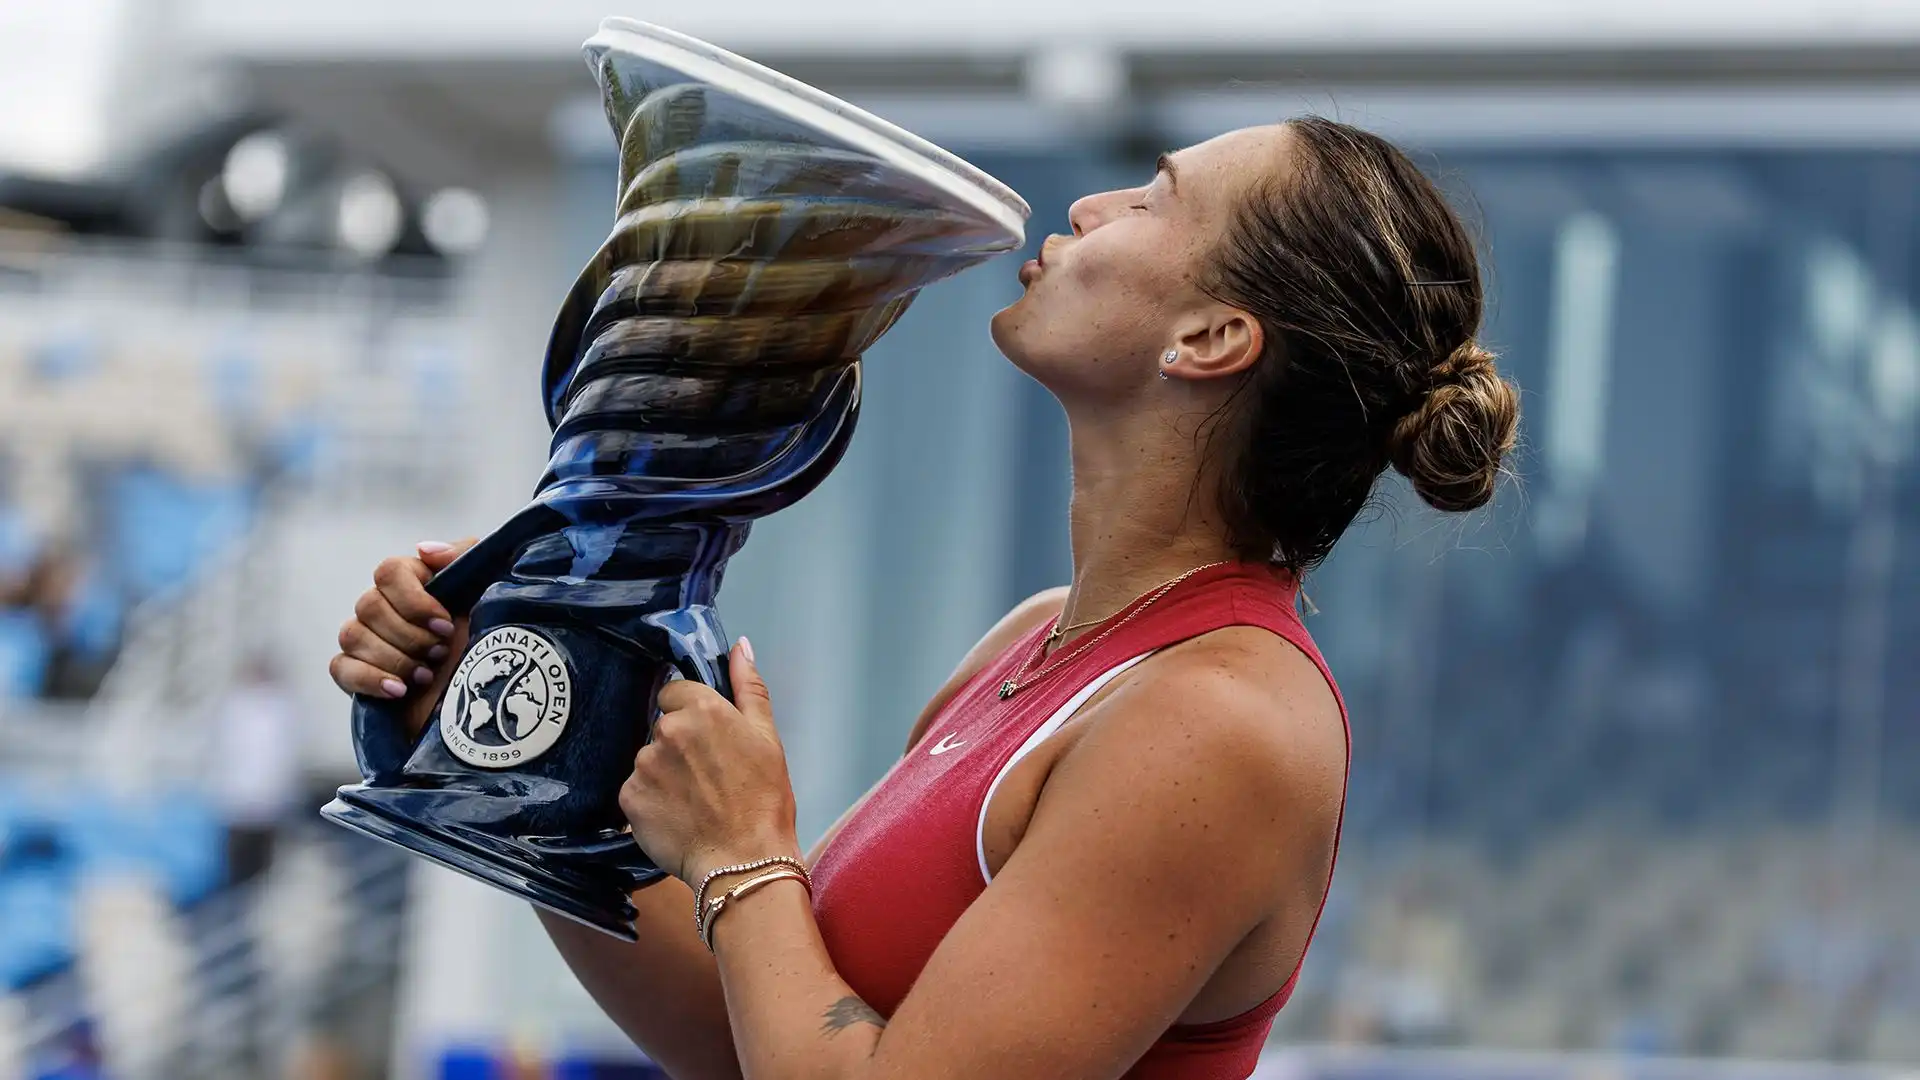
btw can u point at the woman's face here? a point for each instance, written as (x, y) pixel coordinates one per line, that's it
(1103, 305)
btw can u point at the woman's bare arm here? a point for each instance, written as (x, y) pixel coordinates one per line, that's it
(664, 990)
(1200, 803)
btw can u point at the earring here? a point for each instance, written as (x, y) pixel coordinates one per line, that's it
(1170, 356)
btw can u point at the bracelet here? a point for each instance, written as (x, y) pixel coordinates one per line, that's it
(719, 903)
(700, 894)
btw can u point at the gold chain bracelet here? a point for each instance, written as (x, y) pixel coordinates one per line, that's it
(700, 894)
(719, 903)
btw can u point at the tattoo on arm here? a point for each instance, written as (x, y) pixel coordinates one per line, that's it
(847, 1012)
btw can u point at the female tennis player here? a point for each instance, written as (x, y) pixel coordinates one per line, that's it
(1108, 843)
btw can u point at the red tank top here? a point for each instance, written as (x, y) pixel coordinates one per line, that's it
(907, 863)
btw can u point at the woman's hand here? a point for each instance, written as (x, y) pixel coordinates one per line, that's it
(710, 788)
(400, 639)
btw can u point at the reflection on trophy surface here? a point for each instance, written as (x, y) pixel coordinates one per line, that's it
(704, 370)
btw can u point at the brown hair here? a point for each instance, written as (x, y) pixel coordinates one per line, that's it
(1368, 289)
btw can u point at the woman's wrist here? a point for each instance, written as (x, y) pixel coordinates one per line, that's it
(721, 876)
(720, 907)
(715, 863)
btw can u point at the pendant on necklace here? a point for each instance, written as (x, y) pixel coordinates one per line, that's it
(1007, 688)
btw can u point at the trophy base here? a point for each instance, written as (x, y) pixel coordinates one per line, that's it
(596, 897)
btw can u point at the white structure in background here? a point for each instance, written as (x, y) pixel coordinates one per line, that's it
(65, 131)
(139, 971)
(1586, 261)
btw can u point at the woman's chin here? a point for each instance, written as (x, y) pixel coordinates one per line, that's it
(1004, 327)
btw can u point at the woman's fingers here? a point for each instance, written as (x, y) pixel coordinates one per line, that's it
(363, 644)
(356, 676)
(401, 639)
(403, 582)
(375, 612)
(438, 553)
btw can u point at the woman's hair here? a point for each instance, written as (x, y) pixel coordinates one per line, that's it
(1368, 289)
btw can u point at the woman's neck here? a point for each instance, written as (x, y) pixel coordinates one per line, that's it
(1138, 519)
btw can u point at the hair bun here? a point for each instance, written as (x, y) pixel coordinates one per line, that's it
(1451, 448)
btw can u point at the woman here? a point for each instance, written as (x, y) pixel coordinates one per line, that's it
(1147, 766)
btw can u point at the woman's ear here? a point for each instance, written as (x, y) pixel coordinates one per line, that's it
(1224, 341)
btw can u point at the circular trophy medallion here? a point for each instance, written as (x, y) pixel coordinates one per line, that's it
(509, 700)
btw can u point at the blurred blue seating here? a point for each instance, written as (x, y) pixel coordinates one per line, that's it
(177, 837)
(17, 545)
(186, 841)
(49, 845)
(165, 527)
(24, 655)
(36, 923)
(91, 627)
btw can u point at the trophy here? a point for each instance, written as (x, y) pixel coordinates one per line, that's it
(704, 371)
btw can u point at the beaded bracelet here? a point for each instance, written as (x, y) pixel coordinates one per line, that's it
(700, 894)
(719, 903)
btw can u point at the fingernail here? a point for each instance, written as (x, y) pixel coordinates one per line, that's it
(433, 547)
(438, 652)
(423, 676)
(441, 627)
(393, 687)
(746, 648)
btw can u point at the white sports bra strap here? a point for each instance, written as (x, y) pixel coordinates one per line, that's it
(1040, 734)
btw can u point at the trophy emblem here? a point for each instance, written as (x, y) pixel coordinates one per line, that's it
(703, 371)
(514, 683)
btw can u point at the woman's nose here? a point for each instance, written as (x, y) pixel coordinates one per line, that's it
(1084, 214)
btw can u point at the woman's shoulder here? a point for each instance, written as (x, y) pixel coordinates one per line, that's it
(1239, 701)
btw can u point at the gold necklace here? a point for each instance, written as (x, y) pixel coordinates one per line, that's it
(1024, 679)
(1059, 631)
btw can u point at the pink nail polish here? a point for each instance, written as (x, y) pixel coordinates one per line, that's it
(432, 547)
(422, 676)
(441, 627)
(393, 687)
(746, 648)
(438, 652)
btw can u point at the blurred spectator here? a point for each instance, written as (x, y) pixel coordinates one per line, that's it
(60, 626)
(256, 765)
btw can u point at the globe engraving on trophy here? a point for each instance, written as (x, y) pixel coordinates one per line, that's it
(703, 371)
(508, 702)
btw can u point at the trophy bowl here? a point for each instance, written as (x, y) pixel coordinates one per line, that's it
(703, 371)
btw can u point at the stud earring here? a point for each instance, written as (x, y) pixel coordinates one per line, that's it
(1170, 356)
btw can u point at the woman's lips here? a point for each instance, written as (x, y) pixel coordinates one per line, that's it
(1029, 270)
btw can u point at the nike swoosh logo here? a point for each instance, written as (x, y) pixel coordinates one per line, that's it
(945, 744)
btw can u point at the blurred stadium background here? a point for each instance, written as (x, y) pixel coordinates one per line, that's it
(1637, 772)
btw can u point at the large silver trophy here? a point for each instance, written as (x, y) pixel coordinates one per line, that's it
(704, 371)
